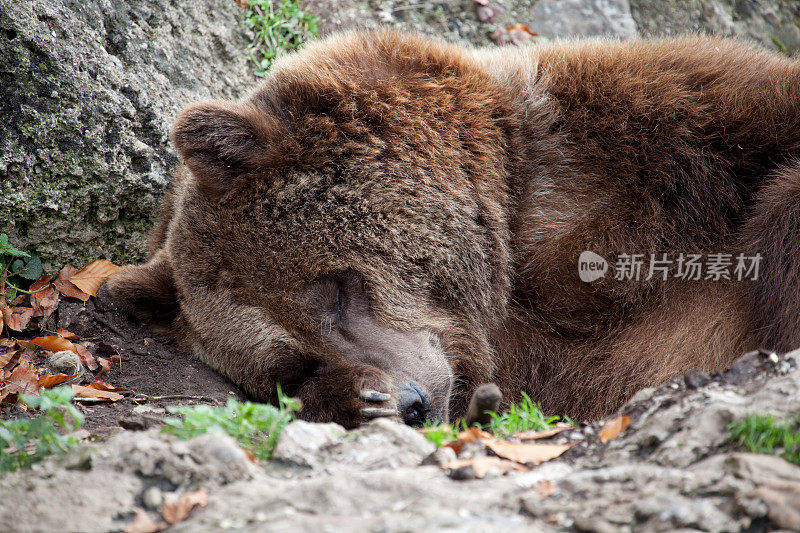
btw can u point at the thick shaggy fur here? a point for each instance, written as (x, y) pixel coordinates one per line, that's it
(461, 186)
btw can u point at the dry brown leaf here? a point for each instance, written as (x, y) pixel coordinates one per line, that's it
(102, 385)
(613, 428)
(105, 368)
(520, 33)
(470, 435)
(45, 302)
(532, 435)
(24, 379)
(17, 318)
(9, 359)
(179, 510)
(481, 465)
(43, 281)
(89, 278)
(86, 357)
(68, 335)
(56, 343)
(7, 343)
(51, 380)
(90, 394)
(18, 300)
(523, 28)
(532, 454)
(65, 287)
(142, 523)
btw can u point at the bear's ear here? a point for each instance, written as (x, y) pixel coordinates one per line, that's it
(222, 141)
(147, 292)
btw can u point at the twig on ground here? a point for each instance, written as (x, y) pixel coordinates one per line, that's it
(145, 398)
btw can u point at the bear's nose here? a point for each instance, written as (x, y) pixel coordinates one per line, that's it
(414, 404)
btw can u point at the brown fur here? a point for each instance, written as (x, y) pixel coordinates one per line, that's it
(455, 189)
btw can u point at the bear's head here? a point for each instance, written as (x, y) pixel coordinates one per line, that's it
(342, 231)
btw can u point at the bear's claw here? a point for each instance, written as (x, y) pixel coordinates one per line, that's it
(377, 412)
(374, 396)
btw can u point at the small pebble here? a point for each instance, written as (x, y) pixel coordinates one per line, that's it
(65, 362)
(464, 473)
(440, 457)
(696, 378)
(152, 498)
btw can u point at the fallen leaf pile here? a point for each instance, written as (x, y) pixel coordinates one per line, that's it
(18, 358)
(480, 452)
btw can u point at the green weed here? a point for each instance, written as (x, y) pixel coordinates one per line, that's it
(17, 269)
(255, 426)
(762, 434)
(25, 441)
(279, 26)
(523, 416)
(439, 433)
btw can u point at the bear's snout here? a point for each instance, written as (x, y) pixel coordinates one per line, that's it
(414, 404)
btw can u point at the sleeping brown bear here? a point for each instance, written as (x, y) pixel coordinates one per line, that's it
(387, 222)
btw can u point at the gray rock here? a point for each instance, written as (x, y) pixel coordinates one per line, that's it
(300, 442)
(696, 378)
(382, 443)
(209, 460)
(583, 18)
(440, 457)
(772, 23)
(88, 93)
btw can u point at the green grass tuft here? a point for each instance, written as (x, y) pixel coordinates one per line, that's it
(25, 441)
(279, 26)
(762, 434)
(439, 433)
(255, 426)
(524, 416)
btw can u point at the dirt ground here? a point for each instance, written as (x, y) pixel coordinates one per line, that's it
(158, 373)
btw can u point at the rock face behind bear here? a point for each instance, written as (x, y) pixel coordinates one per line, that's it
(88, 91)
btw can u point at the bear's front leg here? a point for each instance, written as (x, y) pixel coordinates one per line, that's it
(348, 396)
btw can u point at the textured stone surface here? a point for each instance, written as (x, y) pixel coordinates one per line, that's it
(88, 91)
(672, 469)
(772, 23)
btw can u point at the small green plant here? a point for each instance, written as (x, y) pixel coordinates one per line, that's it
(25, 441)
(523, 416)
(439, 433)
(255, 426)
(762, 434)
(17, 269)
(279, 26)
